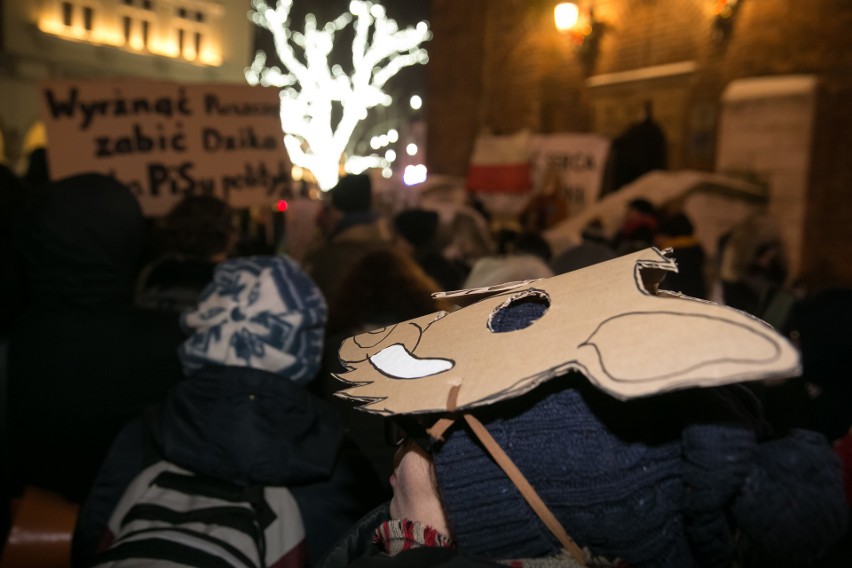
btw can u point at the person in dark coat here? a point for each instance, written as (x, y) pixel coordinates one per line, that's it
(11, 200)
(243, 414)
(641, 148)
(82, 360)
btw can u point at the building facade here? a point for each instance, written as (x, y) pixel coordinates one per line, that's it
(175, 40)
(760, 88)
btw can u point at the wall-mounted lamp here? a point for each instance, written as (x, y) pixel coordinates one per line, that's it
(566, 15)
(723, 20)
(580, 26)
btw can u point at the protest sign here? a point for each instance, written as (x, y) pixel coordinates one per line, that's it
(574, 163)
(166, 140)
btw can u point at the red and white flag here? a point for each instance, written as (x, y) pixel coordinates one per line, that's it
(500, 164)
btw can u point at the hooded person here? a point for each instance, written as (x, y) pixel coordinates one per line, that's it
(242, 414)
(568, 475)
(82, 360)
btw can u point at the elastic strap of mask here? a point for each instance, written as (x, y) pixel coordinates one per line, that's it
(440, 427)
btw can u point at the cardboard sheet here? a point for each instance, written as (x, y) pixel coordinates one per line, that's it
(607, 321)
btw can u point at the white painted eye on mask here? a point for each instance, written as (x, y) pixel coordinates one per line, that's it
(396, 362)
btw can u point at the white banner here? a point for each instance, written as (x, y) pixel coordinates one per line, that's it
(165, 140)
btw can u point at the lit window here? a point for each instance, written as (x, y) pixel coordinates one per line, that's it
(67, 13)
(88, 18)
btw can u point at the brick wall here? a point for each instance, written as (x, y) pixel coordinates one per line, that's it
(500, 65)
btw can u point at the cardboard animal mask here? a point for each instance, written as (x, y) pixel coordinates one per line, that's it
(607, 321)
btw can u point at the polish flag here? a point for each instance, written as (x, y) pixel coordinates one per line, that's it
(500, 164)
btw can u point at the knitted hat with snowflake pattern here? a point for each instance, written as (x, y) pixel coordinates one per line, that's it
(261, 312)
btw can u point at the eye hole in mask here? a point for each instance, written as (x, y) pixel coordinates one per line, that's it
(519, 312)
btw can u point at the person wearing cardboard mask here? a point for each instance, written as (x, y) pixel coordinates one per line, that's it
(580, 471)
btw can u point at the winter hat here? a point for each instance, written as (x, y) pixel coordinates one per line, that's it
(352, 193)
(418, 226)
(620, 499)
(654, 481)
(261, 312)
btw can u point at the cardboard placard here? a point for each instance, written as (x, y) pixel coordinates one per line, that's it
(576, 160)
(165, 140)
(607, 321)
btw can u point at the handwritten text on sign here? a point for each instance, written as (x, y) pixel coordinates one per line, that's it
(574, 161)
(165, 140)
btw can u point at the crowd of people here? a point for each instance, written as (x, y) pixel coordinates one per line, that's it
(181, 392)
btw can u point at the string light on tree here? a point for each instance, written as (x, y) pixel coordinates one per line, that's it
(311, 88)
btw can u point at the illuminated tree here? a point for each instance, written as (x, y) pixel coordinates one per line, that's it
(312, 88)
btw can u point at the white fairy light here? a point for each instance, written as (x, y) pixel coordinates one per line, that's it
(360, 164)
(312, 88)
(414, 174)
(393, 135)
(415, 102)
(411, 149)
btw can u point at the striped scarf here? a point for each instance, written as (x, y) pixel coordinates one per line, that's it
(396, 536)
